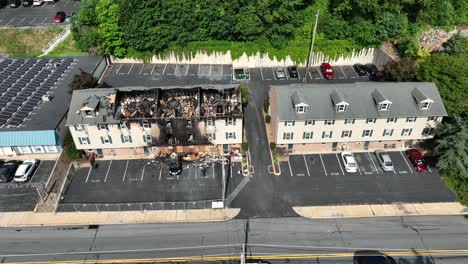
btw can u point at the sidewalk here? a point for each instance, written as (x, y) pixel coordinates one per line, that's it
(379, 210)
(27, 219)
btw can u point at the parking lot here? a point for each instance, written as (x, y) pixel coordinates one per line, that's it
(313, 74)
(145, 184)
(35, 16)
(321, 179)
(134, 74)
(24, 196)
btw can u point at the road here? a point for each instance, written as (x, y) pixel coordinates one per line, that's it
(280, 240)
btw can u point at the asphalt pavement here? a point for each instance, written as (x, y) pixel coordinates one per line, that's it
(278, 240)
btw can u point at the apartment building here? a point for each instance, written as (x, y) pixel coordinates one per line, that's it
(364, 116)
(148, 121)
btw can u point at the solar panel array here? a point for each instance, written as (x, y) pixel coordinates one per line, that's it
(23, 82)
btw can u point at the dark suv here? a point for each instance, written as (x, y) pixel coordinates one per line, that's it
(292, 70)
(7, 171)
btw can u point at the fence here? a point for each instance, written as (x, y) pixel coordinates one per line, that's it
(146, 206)
(56, 40)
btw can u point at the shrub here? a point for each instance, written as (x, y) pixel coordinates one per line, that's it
(266, 105)
(244, 93)
(70, 149)
(272, 146)
(267, 119)
(245, 146)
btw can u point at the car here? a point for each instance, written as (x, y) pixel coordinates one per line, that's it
(327, 71)
(7, 171)
(384, 160)
(372, 257)
(417, 159)
(69, 17)
(27, 2)
(60, 17)
(38, 2)
(15, 3)
(293, 73)
(349, 161)
(360, 69)
(175, 164)
(371, 69)
(280, 73)
(25, 171)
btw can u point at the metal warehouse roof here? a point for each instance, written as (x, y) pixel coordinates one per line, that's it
(28, 138)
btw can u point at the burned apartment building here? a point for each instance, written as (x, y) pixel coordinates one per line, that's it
(139, 121)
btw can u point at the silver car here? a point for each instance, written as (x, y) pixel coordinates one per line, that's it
(384, 160)
(280, 73)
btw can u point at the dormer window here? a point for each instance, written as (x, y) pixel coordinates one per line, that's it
(145, 124)
(382, 102)
(89, 113)
(300, 109)
(341, 107)
(384, 106)
(298, 102)
(339, 101)
(423, 101)
(425, 105)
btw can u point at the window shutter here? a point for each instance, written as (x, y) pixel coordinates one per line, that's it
(391, 132)
(122, 138)
(130, 139)
(350, 133)
(226, 121)
(383, 134)
(292, 135)
(342, 134)
(79, 139)
(110, 140)
(323, 134)
(227, 135)
(144, 138)
(98, 127)
(234, 122)
(234, 134)
(102, 140)
(331, 134)
(89, 141)
(363, 133)
(402, 132)
(411, 130)
(372, 131)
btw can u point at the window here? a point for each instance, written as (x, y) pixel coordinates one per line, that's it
(126, 139)
(38, 149)
(25, 150)
(289, 123)
(102, 127)
(106, 140)
(145, 124)
(341, 108)
(370, 120)
(230, 135)
(329, 122)
(432, 118)
(349, 121)
(123, 126)
(425, 105)
(384, 107)
(78, 128)
(84, 140)
(147, 138)
(211, 136)
(309, 122)
(300, 109)
(209, 122)
(89, 113)
(367, 133)
(51, 149)
(346, 133)
(392, 120)
(406, 132)
(307, 135)
(230, 121)
(288, 135)
(411, 119)
(427, 131)
(387, 132)
(327, 134)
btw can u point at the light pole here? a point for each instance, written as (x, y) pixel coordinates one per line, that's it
(311, 53)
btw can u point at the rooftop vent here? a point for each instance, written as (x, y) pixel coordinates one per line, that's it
(46, 98)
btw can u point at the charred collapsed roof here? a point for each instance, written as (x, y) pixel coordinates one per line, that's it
(112, 105)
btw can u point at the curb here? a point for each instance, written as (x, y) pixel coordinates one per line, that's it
(381, 210)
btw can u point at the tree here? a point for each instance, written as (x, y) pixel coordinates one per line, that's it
(110, 34)
(84, 27)
(82, 81)
(456, 45)
(449, 74)
(400, 70)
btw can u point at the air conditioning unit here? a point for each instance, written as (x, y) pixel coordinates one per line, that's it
(46, 98)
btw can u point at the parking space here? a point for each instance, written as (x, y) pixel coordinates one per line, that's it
(147, 181)
(349, 72)
(329, 183)
(36, 16)
(131, 74)
(24, 196)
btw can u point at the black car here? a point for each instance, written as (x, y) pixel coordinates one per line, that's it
(15, 3)
(175, 164)
(371, 69)
(27, 2)
(372, 257)
(3, 3)
(360, 69)
(7, 171)
(292, 70)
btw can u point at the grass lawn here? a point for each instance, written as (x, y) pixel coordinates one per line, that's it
(26, 42)
(66, 49)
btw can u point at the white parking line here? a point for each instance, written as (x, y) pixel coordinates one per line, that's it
(373, 162)
(160, 173)
(164, 69)
(44, 20)
(337, 159)
(32, 21)
(355, 73)
(261, 73)
(298, 74)
(274, 75)
(143, 172)
(129, 70)
(429, 168)
(38, 166)
(175, 69)
(310, 76)
(210, 70)
(142, 66)
(212, 166)
(65, 4)
(198, 71)
(108, 169)
(89, 173)
(186, 72)
(320, 73)
(323, 165)
(357, 165)
(343, 72)
(10, 21)
(290, 169)
(125, 172)
(409, 167)
(75, 4)
(307, 167)
(21, 21)
(117, 72)
(152, 69)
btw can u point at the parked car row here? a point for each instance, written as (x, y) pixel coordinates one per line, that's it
(415, 156)
(328, 73)
(18, 171)
(18, 3)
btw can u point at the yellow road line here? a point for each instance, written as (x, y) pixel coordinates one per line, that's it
(264, 257)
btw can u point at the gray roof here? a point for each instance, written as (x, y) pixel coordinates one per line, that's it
(360, 98)
(48, 115)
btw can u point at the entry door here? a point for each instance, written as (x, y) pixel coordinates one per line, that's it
(335, 146)
(409, 143)
(366, 145)
(99, 152)
(146, 151)
(290, 147)
(225, 147)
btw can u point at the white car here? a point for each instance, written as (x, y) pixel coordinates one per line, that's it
(26, 170)
(38, 2)
(384, 160)
(349, 161)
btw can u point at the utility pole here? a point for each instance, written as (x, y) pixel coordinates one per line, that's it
(311, 53)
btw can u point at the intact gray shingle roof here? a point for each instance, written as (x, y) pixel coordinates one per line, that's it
(360, 98)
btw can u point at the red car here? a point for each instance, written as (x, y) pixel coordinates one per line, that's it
(327, 71)
(60, 17)
(417, 160)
